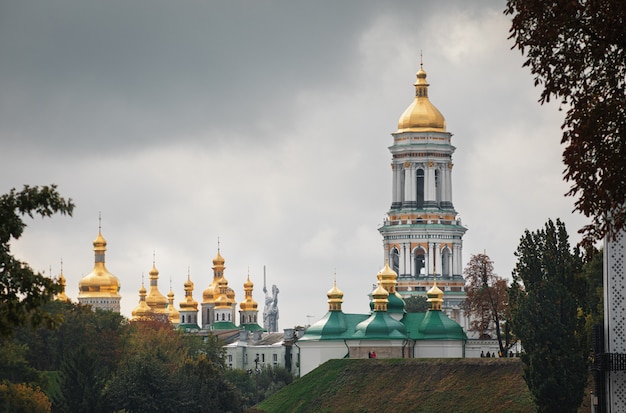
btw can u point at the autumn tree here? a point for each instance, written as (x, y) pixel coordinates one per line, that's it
(546, 316)
(487, 300)
(577, 52)
(23, 291)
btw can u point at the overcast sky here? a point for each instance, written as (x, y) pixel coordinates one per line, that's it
(266, 124)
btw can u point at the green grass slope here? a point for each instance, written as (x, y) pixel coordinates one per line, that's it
(406, 385)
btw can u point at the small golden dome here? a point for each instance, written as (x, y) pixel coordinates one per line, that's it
(380, 298)
(143, 309)
(421, 115)
(189, 304)
(172, 312)
(100, 242)
(155, 299)
(334, 293)
(248, 304)
(218, 260)
(435, 297)
(335, 298)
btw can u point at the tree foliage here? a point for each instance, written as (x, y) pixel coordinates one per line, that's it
(22, 291)
(23, 398)
(487, 300)
(547, 317)
(576, 51)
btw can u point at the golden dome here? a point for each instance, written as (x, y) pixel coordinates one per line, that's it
(218, 260)
(99, 282)
(380, 298)
(248, 284)
(143, 309)
(435, 297)
(62, 296)
(248, 304)
(208, 295)
(172, 312)
(189, 304)
(335, 298)
(421, 115)
(155, 299)
(388, 278)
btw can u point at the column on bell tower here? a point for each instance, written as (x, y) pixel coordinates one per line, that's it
(397, 186)
(410, 200)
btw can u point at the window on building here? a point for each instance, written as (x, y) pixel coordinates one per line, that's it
(420, 262)
(419, 190)
(275, 359)
(263, 358)
(394, 258)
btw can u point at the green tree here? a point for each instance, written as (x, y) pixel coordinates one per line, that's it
(416, 304)
(577, 52)
(487, 301)
(545, 317)
(23, 292)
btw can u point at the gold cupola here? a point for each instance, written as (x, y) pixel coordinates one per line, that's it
(143, 309)
(248, 304)
(435, 297)
(156, 300)
(335, 298)
(210, 294)
(62, 296)
(99, 283)
(421, 115)
(172, 312)
(380, 298)
(189, 304)
(388, 279)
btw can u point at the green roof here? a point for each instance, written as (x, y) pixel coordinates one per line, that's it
(224, 325)
(380, 326)
(432, 325)
(252, 327)
(335, 325)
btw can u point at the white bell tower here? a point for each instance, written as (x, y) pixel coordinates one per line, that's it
(422, 235)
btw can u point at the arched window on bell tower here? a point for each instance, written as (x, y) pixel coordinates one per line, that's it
(419, 262)
(419, 188)
(394, 258)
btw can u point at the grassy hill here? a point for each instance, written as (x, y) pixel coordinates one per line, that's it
(406, 385)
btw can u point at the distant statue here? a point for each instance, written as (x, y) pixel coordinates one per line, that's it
(270, 312)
